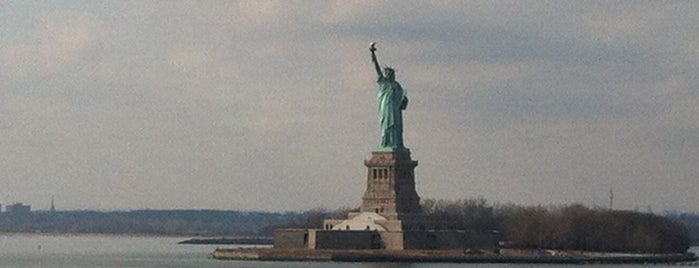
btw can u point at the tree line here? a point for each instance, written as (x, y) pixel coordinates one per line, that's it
(566, 227)
(690, 221)
(581, 228)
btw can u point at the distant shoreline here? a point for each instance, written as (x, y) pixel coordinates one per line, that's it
(79, 234)
(455, 256)
(229, 241)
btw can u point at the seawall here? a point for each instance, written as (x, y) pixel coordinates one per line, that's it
(457, 256)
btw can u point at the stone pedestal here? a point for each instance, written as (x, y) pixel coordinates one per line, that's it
(390, 188)
(390, 217)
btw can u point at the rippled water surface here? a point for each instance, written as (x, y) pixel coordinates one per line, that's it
(22, 250)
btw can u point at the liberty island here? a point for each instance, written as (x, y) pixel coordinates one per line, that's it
(390, 225)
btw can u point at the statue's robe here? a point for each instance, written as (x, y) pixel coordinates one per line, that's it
(391, 100)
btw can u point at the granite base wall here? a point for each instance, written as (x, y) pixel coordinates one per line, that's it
(392, 240)
(291, 238)
(326, 239)
(448, 239)
(430, 240)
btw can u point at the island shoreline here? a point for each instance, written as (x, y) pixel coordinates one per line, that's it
(449, 256)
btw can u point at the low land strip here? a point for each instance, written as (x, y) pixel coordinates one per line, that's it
(458, 256)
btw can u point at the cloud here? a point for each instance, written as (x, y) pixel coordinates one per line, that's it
(257, 13)
(59, 38)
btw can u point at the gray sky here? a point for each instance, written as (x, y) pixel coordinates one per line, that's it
(269, 105)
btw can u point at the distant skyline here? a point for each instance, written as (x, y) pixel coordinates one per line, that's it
(271, 105)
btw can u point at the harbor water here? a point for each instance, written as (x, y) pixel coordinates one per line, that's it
(41, 250)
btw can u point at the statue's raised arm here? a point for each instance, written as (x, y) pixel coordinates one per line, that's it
(372, 48)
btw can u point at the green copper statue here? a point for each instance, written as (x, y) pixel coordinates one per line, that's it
(391, 100)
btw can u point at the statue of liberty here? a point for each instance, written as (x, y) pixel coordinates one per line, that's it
(391, 101)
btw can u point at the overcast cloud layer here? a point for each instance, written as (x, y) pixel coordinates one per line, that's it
(270, 105)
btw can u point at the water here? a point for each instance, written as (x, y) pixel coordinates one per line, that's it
(37, 250)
